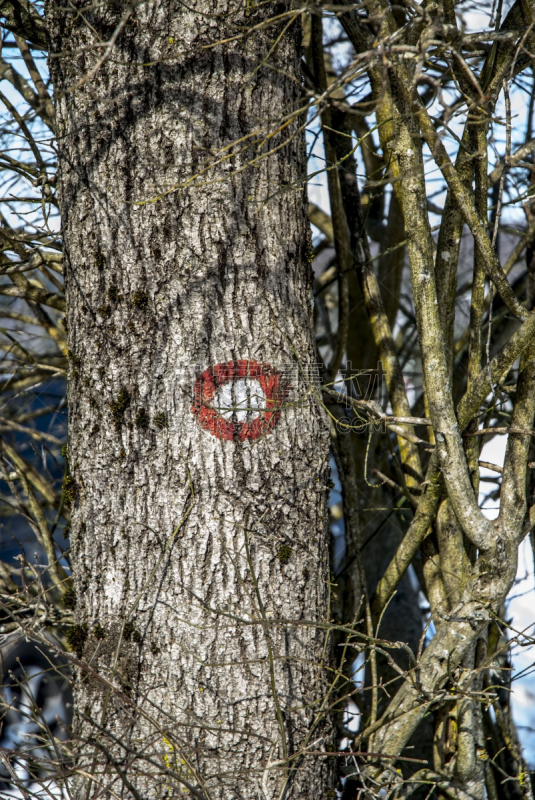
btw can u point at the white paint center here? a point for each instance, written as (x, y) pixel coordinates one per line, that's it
(240, 401)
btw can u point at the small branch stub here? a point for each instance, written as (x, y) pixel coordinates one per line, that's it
(239, 400)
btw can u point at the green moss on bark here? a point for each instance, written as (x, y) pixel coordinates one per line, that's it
(69, 598)
(140, 300)
(70, 490)
(76, 638)
(285, 553)
(119, 406)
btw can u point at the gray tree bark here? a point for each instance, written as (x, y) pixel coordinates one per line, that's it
(191, 551)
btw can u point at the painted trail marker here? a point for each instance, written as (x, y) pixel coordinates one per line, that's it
(238, 400)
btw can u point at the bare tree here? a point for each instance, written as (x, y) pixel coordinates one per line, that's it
(214, 649)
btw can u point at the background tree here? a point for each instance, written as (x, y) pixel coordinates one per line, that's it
(179, 134)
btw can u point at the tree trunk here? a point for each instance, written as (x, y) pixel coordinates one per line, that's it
(196, 531)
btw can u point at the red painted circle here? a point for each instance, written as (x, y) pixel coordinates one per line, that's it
(213, 378)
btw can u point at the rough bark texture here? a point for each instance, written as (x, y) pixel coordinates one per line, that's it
(185, 621)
